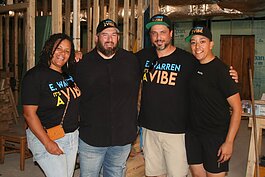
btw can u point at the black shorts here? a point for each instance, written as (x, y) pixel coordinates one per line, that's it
(203, 150)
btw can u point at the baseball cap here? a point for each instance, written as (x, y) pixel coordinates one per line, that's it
(199, 30)
(107, 23)
(159, 19)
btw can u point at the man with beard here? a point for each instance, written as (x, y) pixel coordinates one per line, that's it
(165, 101)
(108, 78)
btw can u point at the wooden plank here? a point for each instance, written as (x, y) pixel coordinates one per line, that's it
(16, 57)
(105, 12)
(57, 16)
(126, 25)
(1, 43)
(154, 7)
(67, 24)
(7, 43)
(89, 26)
(113, 10)
(101, 6)
(14, 7)
(140, 25)
(76, 24)
(132, 26)
(95, 18)
(251, 165)
(30, 34)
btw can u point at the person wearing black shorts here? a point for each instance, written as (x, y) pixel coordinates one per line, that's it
(212, 129)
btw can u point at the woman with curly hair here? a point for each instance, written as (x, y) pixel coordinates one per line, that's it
(50, 100)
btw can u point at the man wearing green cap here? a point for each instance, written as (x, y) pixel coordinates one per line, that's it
(165, 101)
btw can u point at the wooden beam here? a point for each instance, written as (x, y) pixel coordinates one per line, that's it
(89, 26)
(30, 34)
(16, 57)
(126, 25)
(105, 12)
(101, 6)
(132, 25)
(67, 24)
(113, 10)
(76, 24)
(57, 16)
(95, 18)
(140, 25)
(7, 51)
(7, 43)
(1, 42)
(154, 7)
(14, 7)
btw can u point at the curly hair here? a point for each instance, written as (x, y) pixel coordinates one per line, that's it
(49, 48)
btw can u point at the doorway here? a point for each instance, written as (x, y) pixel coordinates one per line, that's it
(238, 51)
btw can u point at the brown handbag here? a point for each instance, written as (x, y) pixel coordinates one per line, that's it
(57, 131)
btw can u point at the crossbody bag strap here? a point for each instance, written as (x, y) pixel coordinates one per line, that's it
(66, 107)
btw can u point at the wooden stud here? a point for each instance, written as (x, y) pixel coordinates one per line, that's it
(57, 16)
(140, 25)
(105, 12)
(1, 43)
(16, 57)
(76, 24)
(89, 26)
(126, 25)
(67, 24)
(95, 18)
(14, 7)
(30, 34)
(7, 40)
(113, 10)
(154, 7)
(132, 25)
(101, 5)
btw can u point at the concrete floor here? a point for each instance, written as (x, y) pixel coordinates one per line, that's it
(238, 163)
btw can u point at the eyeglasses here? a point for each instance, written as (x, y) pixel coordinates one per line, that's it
(68, 79)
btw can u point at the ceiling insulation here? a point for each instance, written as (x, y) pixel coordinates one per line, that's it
(183, 9)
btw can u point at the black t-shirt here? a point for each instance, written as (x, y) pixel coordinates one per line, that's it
(49, 90)
(211, 85)
(108, 106)
(165, 94)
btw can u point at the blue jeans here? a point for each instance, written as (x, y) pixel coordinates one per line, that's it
(112, 159)
(54, 165)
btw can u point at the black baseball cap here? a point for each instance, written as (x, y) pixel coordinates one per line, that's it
(107, 23)
(159, 19)
(199, 30)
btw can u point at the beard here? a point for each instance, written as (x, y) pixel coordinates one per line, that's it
(106, 51)
(161, 47)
